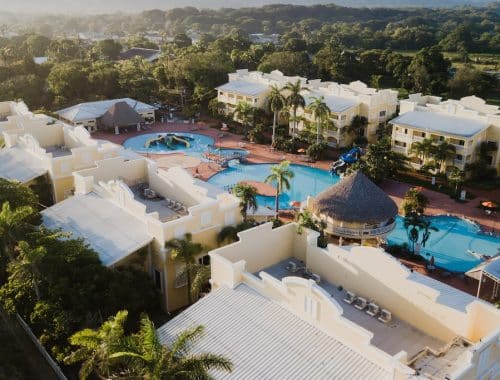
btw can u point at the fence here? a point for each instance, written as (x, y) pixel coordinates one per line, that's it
(59, 373)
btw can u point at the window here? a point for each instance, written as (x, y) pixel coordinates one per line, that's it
(459, 157)
(343, 117)
(400, 144)
(489, 160)
(335, 117)
(158, 279)
(205, 260)
(382, 113)
(406, 131)
(221, 93)
(461, 142)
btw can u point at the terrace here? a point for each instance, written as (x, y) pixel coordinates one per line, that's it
(392, 337)
(58, 151)
(167, 209)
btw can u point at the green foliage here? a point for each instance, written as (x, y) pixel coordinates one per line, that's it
(280, 177)
(480, 169)
(380, 162)
(471, 81)
(414, 202)
(248, 198)
(317, 151)
(429, 71)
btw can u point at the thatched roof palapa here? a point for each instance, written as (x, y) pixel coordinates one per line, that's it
(120, 115)
(355, 199)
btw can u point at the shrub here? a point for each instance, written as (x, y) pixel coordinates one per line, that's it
(317, 151)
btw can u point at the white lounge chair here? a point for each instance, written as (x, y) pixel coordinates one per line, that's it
(360, 303)
(316, 278)
(385, 316)
(291, 267)
(349, 298)
(373, 309)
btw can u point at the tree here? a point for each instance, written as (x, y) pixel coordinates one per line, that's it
(480, 168)
(248, 198)
(25, 267)
(423, 149)
(185, 252)
(456, 177)
(244, 112)
(276, 102)
(321, 112)
(97, 346)
(294, 99)
(357, 126)
(280, 176)
(181, 40)
(68, 82)
(443, 152)
(414, 202)
(380, 162)
(429, 71)
(289, 63)
(414, 224)
(471, 81)
(14, 225)
(107, 50)
(150, 359)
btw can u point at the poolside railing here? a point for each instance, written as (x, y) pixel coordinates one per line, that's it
(361, 232)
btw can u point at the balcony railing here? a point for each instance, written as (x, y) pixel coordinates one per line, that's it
(361, 232)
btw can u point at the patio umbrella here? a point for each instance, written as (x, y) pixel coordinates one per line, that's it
(301, 150)
(489, 204)
(295, 203)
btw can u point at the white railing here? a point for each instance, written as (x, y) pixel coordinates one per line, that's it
(361, 232)
(401, 136)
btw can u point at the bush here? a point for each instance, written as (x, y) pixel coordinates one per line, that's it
(286, 145)
(360, 141)
(317, 151)
(257, 135)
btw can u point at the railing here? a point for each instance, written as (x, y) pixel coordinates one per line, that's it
(401, 136)
(361, 232)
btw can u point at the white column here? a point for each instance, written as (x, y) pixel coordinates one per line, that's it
(117, 130)
(138, 127)
(479, 287)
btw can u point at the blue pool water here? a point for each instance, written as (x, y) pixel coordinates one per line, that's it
(198, 144)
(450, 244)
(307, 181)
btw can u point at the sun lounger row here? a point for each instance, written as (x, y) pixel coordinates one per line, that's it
(292, 267)
(175, 206)
(372, 309)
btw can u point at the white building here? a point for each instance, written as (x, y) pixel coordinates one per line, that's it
(465, 123)
(283, 308)
(89, 114)
(344, 100)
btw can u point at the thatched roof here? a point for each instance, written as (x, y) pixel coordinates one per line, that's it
(355, 199)
(120, 115)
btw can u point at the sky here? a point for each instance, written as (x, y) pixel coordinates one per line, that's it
(107, 6)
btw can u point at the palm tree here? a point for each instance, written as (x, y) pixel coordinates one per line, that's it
(321, 112)
(150, 359)
(97, 346)
(276, 104)
(423, 149)
(248, 198)
(295, 100)
(244, 112)
(185, 251)
(280, 175)
(357, 126)
(444, 152)
(13, 227)
(25, 267)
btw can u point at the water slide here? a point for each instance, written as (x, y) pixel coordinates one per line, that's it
(181, 140)
(347, 158)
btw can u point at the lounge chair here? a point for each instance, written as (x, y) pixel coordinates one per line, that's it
(373, 309)
(292, 267)
(385, 316)
(360, 303)
(316, 278)
(349, 298)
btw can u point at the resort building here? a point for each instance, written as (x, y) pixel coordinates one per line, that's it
(126, 209)
(355, 208)
(344, 100)
(38, 146)
(109, 114)
(252, 87)
(465, 123)
(281, 307)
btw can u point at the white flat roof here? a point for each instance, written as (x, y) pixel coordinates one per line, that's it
(19, 165)
(112, 232)
(244, 88)
(94, 110)
(266, 341)
(439, 122)
(335, 103)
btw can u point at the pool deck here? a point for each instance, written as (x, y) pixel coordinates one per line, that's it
(439, 203)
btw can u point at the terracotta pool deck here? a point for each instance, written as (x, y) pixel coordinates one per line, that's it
(439, 203)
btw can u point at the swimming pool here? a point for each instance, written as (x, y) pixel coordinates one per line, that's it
(450, 245)
(307, 181)
(198, 144)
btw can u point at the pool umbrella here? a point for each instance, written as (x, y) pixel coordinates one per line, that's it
(489, 204)
(295, 204)
(301, 150)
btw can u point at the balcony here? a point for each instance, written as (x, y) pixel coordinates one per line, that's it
(363, 232)
(401, 136)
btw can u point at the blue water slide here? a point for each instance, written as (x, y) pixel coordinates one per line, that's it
(352, 156)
